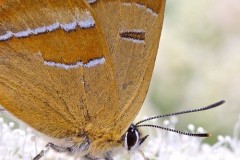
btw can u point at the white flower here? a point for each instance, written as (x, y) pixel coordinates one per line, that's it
(16, 144)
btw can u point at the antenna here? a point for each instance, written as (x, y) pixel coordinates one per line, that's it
(176, 131)
(138, 124)
(184, 112)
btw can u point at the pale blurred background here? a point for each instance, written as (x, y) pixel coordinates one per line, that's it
(198, 63)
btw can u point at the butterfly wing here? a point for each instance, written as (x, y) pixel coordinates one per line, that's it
(55, 68)
(132, 29)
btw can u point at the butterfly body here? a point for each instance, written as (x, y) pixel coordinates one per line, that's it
(78, 71)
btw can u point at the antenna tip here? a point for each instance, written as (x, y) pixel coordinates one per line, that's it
(203, 135)
(222, 101)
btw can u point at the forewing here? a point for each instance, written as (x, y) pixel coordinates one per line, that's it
(55, 68)
(132, 29)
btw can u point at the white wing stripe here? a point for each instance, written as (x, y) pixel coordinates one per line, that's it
(91, 63)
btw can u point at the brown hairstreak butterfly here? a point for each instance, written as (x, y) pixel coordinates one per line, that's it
(78, 71)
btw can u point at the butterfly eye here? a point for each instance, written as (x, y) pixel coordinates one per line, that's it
(132, 138)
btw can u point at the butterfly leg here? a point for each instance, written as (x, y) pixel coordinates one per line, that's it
(89, 157)
(58, 148)
(75, 148)
(42, 153)
(108, 156)
(54, 147)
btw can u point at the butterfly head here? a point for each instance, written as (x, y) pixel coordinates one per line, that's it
(133, 139)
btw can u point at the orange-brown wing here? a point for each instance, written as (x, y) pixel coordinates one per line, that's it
(55, 68)
(132, 29)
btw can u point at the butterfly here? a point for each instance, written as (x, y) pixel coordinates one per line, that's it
(78, 71)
